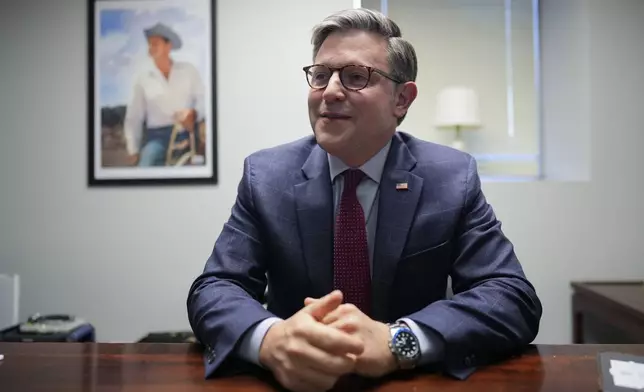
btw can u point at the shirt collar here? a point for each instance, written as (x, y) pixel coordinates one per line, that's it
(373, 168)
(154, 70)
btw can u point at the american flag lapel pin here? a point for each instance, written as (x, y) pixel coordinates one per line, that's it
(402, 186)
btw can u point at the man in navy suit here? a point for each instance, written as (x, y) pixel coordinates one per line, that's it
(356, 231)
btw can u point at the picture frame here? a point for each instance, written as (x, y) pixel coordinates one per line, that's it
(152, 117)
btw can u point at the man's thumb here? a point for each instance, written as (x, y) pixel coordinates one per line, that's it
(308, 300)
(321, 307)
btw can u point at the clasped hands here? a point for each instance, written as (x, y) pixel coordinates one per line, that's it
(324, 341)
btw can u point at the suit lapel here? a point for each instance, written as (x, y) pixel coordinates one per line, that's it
(314, 208)
(396, 211)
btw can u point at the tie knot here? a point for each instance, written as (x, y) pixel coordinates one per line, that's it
(352, 178)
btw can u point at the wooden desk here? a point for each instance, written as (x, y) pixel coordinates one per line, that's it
(608, 312)
(178, 367)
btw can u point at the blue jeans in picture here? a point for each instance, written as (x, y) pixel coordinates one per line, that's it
(155, 146)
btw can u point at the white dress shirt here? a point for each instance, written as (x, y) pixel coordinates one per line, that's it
(155, 100)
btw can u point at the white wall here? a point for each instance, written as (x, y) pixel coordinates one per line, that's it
(565, 65)
(125, 258)
(97, 252)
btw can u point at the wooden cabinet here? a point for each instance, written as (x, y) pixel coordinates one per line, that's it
(608, 312)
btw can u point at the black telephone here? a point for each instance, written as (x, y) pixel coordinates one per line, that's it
(53, 323)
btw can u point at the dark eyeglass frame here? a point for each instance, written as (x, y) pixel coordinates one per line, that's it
(370, 70)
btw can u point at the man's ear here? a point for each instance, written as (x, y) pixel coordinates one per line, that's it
(405, 94)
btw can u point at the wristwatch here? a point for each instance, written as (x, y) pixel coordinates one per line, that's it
(404, 345)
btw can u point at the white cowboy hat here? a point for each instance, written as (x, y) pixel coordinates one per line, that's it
(166, 32)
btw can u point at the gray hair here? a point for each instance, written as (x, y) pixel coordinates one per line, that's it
(401, 55)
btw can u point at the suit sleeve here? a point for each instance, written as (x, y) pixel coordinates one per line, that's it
(224, 302)
(495, 311)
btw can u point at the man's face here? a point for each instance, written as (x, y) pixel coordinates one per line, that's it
(346, 122)
(158, 47)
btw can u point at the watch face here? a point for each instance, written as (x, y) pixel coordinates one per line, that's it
(406, 344)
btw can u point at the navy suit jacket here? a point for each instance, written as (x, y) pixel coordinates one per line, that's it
(280, 233)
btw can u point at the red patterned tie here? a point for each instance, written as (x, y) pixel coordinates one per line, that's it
(351, 271)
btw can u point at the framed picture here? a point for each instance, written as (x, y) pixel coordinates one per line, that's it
(152, 92)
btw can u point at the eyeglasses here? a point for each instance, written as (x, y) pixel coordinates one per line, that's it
(352, 77)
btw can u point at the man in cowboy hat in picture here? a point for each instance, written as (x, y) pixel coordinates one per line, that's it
(169, 93)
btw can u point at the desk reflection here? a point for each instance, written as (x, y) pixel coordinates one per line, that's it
(172, 367)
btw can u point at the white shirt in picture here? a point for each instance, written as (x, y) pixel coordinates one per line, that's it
(155, 100)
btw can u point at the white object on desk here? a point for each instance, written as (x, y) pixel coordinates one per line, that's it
(627, 374)
(9, 300)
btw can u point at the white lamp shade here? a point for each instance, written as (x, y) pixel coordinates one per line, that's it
(457, 106)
